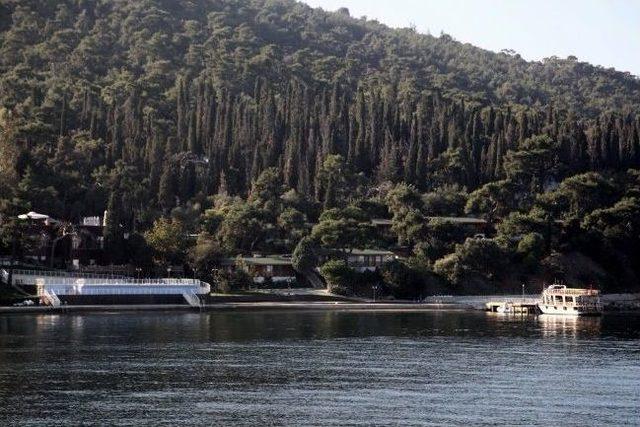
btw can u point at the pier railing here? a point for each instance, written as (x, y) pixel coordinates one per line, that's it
(70, 274)
(70, 283)
(81, 286)
(74, 281)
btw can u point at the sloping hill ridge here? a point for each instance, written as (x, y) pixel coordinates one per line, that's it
(237, 40)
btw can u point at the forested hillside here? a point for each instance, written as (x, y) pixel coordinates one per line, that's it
(249, 121)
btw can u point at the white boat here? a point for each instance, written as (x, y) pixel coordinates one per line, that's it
(558, 299)
(505, 308)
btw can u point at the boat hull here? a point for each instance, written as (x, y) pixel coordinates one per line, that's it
(569, 311)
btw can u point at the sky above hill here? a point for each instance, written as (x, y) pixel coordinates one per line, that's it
(603, 32)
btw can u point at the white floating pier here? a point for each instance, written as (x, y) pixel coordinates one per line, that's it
(77, 286)
(57, 288)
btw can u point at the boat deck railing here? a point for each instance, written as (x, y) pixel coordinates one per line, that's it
(572, 291)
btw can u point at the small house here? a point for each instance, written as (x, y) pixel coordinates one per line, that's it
(365, 259)
(276, 268)
(471, 224)
(58, 243)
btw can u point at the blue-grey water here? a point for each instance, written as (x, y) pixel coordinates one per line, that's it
(318, 368)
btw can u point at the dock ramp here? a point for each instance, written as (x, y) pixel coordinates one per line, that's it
(49, 297)
(192, 299)
(314, 278)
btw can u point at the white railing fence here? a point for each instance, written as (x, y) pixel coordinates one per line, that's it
(70, 274)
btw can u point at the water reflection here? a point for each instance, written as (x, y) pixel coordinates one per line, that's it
(288, 325)
(569, 327)
(310, 368)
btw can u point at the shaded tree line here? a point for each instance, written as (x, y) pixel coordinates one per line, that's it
(229, 115)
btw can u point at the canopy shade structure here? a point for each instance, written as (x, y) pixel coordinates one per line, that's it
(37, 217)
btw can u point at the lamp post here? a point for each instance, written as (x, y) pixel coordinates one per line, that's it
(374, 288)
(138, 270)
(169, 272)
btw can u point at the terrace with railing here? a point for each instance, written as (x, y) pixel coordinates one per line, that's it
(137, 287)
(58, 273)
(70, 283)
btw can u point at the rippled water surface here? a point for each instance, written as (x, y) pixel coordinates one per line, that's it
(310, 368)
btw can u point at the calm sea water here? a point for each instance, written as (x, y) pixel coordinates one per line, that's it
(311, 368)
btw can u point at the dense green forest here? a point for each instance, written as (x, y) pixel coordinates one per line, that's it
(266, 125)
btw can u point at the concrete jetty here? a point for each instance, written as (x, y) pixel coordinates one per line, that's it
(512, 307)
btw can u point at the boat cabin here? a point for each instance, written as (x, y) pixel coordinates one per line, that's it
(559, 299)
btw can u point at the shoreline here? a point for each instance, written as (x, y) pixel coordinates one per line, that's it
(614, 303)
(253, 306)
(261, 306)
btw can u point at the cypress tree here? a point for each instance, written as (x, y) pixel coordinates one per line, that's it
(188, 181)
(421, 167)
(193, 134)
(330, 194)
(360, 149)
(181, 108)
(412, 155)
(167, 190)
(63, 115)
(113, 233)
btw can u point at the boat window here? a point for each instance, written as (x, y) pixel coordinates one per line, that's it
(559, 298)
(569, 299)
